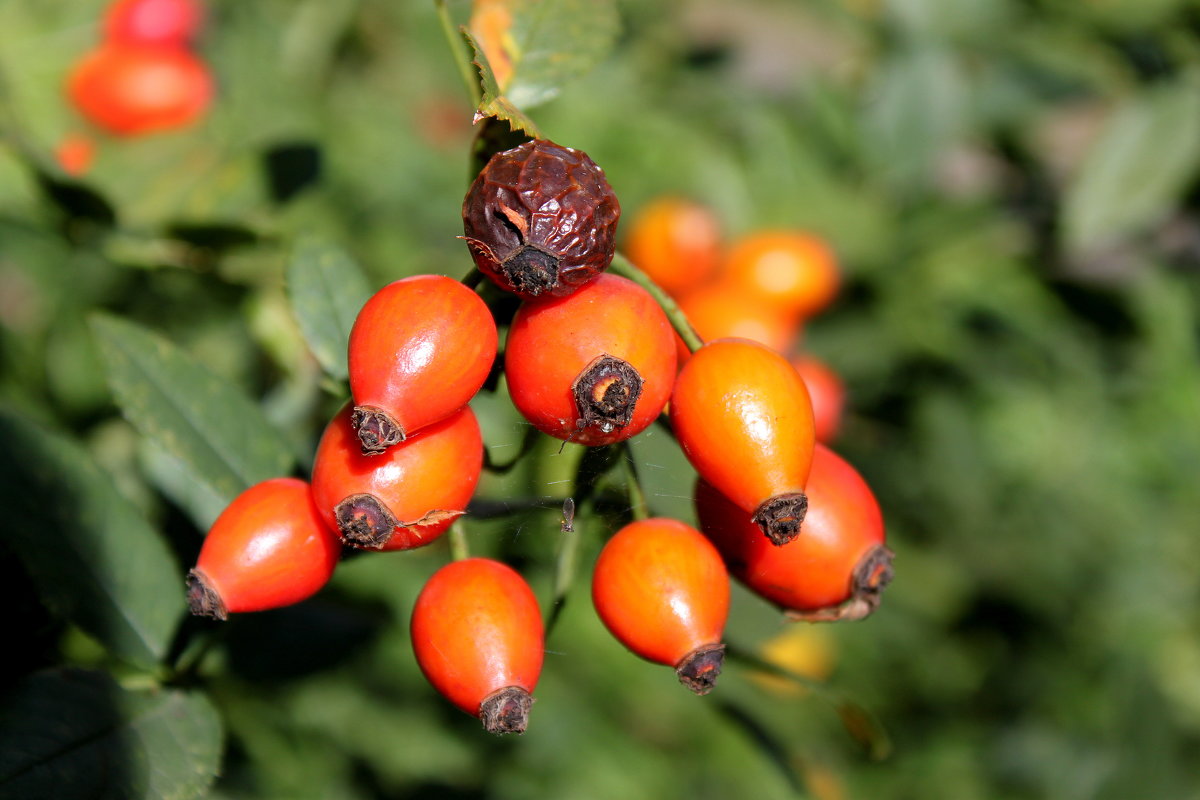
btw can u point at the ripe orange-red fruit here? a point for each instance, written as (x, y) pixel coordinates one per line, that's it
(420, 348)
(662, 590)
(837, 567)
(406, 497)
(594, 367)
(743, 417)
(794, 272)
(269, 548)
(828, 395)
(725, 310)
(161, 22)
(130, 89)
(676, 242)
(477, 635)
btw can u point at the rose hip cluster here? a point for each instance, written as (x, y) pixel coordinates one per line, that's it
(590, 357)
(764, 285)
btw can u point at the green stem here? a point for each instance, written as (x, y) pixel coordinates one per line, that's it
(861, 724)
(625, 268)
(633, 487)
(527, 442)
(473, 278)
(458, 50)
(564, 570)
(458, 541)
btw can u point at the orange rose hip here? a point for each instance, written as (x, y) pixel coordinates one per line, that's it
(477, 635)
(676, 242)
(133, 89)
(792, 271)
(662, 590)
(269, 548)
(420, 348)
(743, 417)
(404, 498)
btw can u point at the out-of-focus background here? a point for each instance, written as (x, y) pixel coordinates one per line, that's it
(1011, 190)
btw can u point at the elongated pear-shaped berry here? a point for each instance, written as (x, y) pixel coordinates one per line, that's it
(662, 590)
(419, 351)
(836, 570)
(269, 548)
(478, 637)
(743, 417)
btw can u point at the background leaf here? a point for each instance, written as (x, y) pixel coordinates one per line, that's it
(76, 734)
(493, 103)
(1146, 156)
(92, 555)
(546, 44)
(327, 289)
(214, 430)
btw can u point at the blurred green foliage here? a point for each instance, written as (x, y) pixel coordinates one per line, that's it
(1012, 188)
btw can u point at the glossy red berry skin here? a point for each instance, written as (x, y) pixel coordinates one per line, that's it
(420, 349)
(269, 548)
(596, 367)
(662, 590)
(133, 89)
(477, 635)
(406, 497)
(837, 567)
(743, 417)
(541, 219)
(159, 22)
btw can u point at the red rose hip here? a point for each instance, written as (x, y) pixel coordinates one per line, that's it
(406, 497)
(132, 89)
(836, 570)
(595, 367)
(270, 548)
(420, 349)
(478, 638)
(163, 22)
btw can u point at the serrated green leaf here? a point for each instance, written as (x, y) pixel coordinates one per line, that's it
(215, 431)
(1143, 160)
(326, 289)
(92, 556)
(494, 103)
(544, 44)
(77, 734)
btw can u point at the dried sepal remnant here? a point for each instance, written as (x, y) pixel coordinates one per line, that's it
(606, 393)
(699, 669)
(376, 429)
(203, 600)
(541, 219)
(506, 710)
(781, 517)
(365, 522)
(871, 576)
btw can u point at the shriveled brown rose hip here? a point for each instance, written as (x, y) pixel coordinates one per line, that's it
(541, 219)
